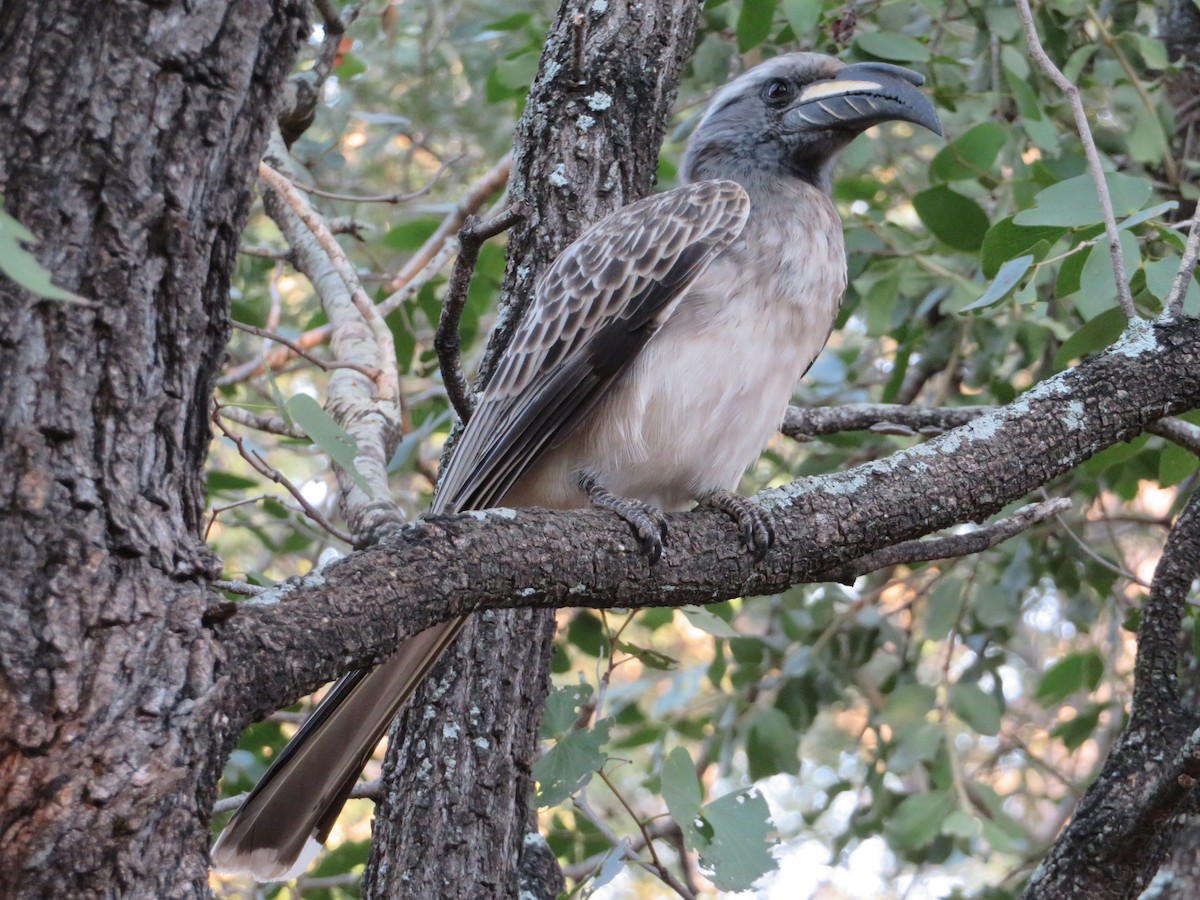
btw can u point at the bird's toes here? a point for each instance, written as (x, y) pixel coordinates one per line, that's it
(758, 526)
(649, 523)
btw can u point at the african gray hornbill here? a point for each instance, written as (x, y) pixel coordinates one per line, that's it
(655, 361)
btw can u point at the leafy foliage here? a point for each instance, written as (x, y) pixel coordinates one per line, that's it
(931, 724)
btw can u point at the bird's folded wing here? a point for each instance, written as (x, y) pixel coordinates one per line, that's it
(593, 310)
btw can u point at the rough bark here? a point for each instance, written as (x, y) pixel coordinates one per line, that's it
(1126, 823)
(129, 136)
(458, 784)
(357, 608)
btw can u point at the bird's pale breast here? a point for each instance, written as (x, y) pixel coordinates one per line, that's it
(709, 390)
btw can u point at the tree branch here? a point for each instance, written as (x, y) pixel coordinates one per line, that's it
(355, 610)
(1125, 823)
(369, 408)
(446, 342)
(1071, 92)
(954, 545)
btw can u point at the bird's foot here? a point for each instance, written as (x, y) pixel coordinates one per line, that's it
(758, 527)
(648, 522)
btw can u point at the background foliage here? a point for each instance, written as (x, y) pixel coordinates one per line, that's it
(924, 732)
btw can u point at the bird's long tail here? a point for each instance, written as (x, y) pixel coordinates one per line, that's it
(289, 814)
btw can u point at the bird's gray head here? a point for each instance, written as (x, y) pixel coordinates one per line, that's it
(791, 115)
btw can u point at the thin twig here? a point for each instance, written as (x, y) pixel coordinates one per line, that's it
(261, 466)
(419, 269)
(324, 364)
(1177, 431)
(386, 378)
(1187, 268)
(803, 424)
(394, 197)
(269, 424)
(364, 790)
(954, 545)
(664, 873)
(580, 802)
(1071, 92)
(477, 195)
(239, 587)
(1087, 551)
(446, 340)
(217, 510)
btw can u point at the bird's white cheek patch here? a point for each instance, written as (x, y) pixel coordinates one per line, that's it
(824, 89)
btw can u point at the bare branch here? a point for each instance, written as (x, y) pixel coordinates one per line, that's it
(1187, 268)
(239, 587)
(477, 195)
(823, 525)
(261, 466)
(955, 545)
(1124, 825)
(803, 424)
(446, 340)
(323, 364)
(363, 790)
(369, 408)
(269, 424)
(1071, 92)
(394, 197)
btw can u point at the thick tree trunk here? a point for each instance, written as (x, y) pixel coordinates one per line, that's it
(458, 787)
(129, 136)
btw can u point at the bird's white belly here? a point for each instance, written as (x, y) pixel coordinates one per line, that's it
(693, 412)
(706, 393)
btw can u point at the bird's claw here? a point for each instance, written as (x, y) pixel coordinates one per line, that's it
(758, 526)
(648, 522)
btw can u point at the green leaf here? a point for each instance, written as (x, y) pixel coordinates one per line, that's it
(708, 622)
(22, 266)
(971, 154)
(1006, 279)
(1096, 335)
(908, 703)
(327, 434)
(680, 787)
(772, 745)
(754, 23)
(956, 220)
(349, 65)
(567, 766)
(1074, 672)
(1175, 465)
(586, 632)
(1151, 212)
(1006, 240)
(1160, 278)
(410, 235)
(738, 852)
(802, 15)
(897, 47)
(226, 482)
(562, 709)
(651, 659)
(1097, 283)
(961, 824)
(1073, 203)
(915, 743)
(517, 73)
(1077, 730)
(976, 707)
(917, 820)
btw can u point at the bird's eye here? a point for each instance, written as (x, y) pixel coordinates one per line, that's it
(777, 91)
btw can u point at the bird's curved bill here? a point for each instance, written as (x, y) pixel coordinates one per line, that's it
(861, 95)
